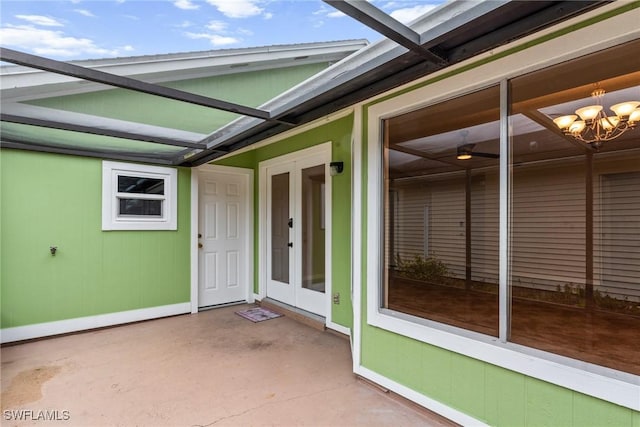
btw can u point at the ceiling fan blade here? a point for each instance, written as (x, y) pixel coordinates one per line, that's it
(487, 155)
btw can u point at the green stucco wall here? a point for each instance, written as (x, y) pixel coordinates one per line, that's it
(248, 88)
(339, 133)
(50, 199)
(489, 393)
(496, 396)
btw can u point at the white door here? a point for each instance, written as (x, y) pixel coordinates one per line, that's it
(222, 240)
(297, 230)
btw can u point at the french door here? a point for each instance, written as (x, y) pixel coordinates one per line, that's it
(297, 230)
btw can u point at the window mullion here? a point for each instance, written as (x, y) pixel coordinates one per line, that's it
(141, 196)
(503, 250)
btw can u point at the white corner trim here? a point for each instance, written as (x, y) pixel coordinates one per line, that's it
(195, 212)
(422, 400)
(39, 330)
(338, 328)
(356, 235)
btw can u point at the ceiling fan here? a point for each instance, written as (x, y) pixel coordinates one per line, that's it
(465, 152)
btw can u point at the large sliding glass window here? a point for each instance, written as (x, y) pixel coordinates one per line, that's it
(441, 234)
(572, 286)
(575, 212)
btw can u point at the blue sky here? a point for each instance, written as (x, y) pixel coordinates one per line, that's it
(82, 29)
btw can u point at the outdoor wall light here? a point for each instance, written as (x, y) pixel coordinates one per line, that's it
(53, 250)
(336, 168)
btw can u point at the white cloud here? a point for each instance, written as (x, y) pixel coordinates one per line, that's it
(237, 8)
(217, 26)
(267, 15)
(323, 10)
(84, 12)
(328, 12)
(185, 4)
(409, 14)
(214, 39)
(218, 34)
(51, 43)
(43, 21)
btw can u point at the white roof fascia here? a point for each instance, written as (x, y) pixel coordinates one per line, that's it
(173, 67)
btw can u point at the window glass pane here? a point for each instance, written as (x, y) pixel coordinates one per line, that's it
(575, 227)
(280, 227)
(441, 212)
(312, 223)
(140, 185)
(140, 207)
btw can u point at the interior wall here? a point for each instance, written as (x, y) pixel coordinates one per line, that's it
(55, 200)
(339, 132)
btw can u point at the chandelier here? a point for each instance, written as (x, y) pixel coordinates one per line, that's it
(594, 126)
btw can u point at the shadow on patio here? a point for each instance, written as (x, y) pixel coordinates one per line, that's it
(213, 368)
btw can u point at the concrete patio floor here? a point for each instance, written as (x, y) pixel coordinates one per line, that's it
(213, 368)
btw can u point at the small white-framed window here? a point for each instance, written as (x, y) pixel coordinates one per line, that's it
(138, 197)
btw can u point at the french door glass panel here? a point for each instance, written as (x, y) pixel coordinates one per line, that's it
(297, 228)
(280, 227)
(313, 228)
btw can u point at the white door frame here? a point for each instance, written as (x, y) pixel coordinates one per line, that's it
(323, 151)
(248, 226)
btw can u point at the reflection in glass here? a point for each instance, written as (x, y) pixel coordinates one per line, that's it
(140, 207)
(140, 185)
(280, 227)
(441, 212)
(575, 223)
(313, 228)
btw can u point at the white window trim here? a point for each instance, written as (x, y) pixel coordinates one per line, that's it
(110, 218)
(607, 384)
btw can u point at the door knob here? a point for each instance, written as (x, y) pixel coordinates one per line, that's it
(290, 222)
(290, 244)
(199, 245)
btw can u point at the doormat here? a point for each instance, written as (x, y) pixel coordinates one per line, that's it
(258, 314)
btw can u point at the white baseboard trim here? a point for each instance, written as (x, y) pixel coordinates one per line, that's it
(339, 328)
(422, 400)
(39, 330)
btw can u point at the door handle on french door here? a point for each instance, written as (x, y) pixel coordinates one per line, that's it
(290, 244)
(290, 222)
